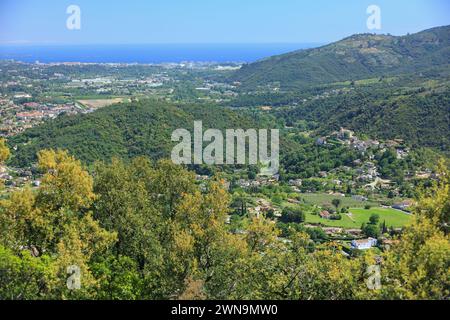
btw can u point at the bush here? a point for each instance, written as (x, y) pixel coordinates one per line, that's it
(290, 215)
(374, 219)
(371, 230)
(316, 234)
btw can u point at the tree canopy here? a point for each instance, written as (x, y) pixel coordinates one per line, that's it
(147, 230)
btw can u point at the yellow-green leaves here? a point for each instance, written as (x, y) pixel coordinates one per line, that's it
(4, 151)
(418, 267)
(4, 155)
(149, 231)
(261, 233)
(53, 222)
(65, 183)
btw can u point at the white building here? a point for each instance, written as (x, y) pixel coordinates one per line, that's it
(364, 244)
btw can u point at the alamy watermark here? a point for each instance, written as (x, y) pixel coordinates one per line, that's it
(74, 280)
(374, 19)
(74, 20)
(373, 281)
(234, 145)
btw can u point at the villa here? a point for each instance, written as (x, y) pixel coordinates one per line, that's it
(325, 215)
(364, 244)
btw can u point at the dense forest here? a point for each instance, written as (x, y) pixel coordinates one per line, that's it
(125, 130)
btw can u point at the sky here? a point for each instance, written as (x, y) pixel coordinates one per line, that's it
(211, 21)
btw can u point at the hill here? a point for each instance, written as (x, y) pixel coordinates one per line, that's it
(122, 130)
(422, 119)
(357, 57)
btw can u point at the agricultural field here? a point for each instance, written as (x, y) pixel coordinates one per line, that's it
(394, 218)
(100, 103)
(323, 199)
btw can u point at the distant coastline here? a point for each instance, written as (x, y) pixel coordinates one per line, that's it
(147, 53)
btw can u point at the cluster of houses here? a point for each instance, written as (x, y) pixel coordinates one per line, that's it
(367, 174)
(263, 207)
(348, 137)
(359, 243)
(17, 177)
(260, 181)
(114, 86)
(15, 118)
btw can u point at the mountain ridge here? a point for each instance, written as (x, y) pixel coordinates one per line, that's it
(353, 58)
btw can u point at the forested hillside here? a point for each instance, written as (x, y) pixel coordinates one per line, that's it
(353, 58)
(421, 120)
(124, 130)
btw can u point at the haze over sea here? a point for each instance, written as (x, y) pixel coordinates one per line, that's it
(148, 53)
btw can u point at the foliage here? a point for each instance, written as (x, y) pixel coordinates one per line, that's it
(4, 151)
(290, 215)
(124, 131)
(146, 230)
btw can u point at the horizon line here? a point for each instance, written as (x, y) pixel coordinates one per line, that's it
(26, 44)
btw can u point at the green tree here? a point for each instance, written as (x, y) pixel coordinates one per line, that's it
(374, 219)
(336, 203)
(118, 278)
(4, 151)
(417, 267)
(65, 183)
(371, 230)
(4, 155)
(290, 215)
(23, 276)
(55, 222)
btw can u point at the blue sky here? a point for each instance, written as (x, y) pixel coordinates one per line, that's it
(210, 21)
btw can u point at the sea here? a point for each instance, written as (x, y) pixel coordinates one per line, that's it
(148, 53)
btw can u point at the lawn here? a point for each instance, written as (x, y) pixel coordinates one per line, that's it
(322, 199)
(393, 218)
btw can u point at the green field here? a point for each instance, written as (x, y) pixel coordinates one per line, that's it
(322, 199)
(394, 218)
